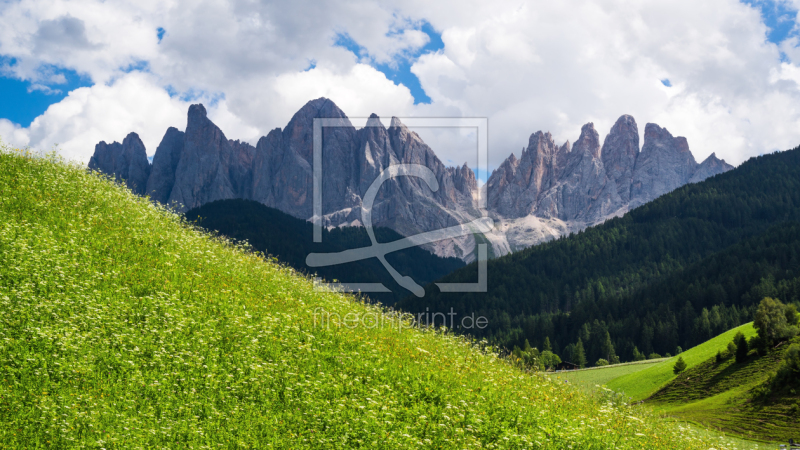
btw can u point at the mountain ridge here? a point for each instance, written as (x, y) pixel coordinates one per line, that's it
(560, 189)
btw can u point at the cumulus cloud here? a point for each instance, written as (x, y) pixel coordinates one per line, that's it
(550, 66)
(133, 103)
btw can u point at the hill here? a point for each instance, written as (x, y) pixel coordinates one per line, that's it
(273, 232)
(716, 394)
(125, 327)
(655, 279)
(645, 383)
(720, 395)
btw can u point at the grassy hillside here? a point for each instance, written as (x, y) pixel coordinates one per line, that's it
(673, 272)
(714, 394)
(290, 240)
(645, 383)
(124, 327)
(718, 395)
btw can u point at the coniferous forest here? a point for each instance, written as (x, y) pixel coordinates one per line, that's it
(664, 277)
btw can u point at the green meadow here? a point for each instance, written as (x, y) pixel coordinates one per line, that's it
(644, 383)
(591, 378)
(125, 327)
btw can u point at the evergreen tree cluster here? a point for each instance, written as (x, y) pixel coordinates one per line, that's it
(667, 275)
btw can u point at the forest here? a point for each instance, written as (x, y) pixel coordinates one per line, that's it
(664, 277)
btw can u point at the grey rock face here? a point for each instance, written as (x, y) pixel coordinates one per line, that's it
(351, 160)
(165, 164)
(126, 161)
(515, 188)
(619, 153)
(585, 185)
(710, 167)
(554, 182)
(210, 166)
(665, 164)
(550, 188)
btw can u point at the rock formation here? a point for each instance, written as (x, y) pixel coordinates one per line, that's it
(126, 161)
(550, 190)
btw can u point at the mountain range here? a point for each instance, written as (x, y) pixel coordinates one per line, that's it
(547, 192)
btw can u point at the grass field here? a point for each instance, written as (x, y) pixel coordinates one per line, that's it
(124, 327)
(642, 384)
(590, 378)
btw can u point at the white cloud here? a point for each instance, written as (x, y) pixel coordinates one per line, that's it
(549, 66)
(12, 134)
(133, 103)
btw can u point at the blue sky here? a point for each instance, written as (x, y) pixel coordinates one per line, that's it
(22, 102)
(399, 71)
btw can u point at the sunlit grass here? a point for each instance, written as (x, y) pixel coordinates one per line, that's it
(121, 326)
(644, 383)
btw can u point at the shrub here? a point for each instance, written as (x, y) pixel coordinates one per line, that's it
(792, 317)
(601, 362)
(653, 355)
(679, 366)
(720, 357)
(771, 321)
(731, 348)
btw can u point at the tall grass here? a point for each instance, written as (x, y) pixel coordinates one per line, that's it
(121, 326)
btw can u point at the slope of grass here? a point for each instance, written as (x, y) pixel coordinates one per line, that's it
(717, 394)
(123, 327)
(645, 383)
(288, 238)
(601, 376)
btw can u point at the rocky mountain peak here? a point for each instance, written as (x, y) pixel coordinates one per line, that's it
(619, 153)
(664, 164)
(710, 167)
(126, 161)
(588, 142)
(197, 115)
(374, 121)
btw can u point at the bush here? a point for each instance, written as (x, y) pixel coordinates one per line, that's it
(653, 355)
(731, 348)
(792, 317)
(771, 321)
(601, 362)
(720, 357)
(757, 344)
(679, 366)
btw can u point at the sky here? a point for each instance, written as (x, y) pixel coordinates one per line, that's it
(725, 74)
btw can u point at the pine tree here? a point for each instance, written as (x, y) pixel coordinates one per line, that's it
(679, 366)
(546, 346)
(741, 347)
(607, 348)
(580, 354)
